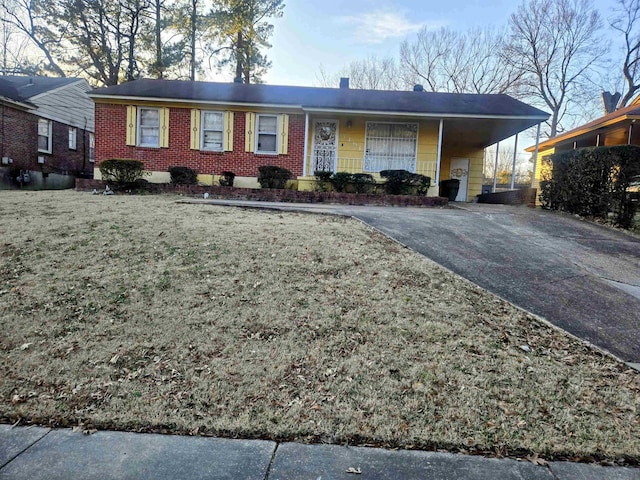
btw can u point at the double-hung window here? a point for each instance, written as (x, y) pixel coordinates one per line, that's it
(148, 127)
(44, 135)
(212, 131)
(267, 134)
(73, 138)
(391, 146)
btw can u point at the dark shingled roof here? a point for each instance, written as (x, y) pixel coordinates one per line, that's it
(30, 86)
(9, 91)
(326, 98)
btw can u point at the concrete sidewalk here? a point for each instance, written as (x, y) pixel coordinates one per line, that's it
(40, 453)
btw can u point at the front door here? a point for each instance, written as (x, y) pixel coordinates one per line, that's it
(460, 170)
(325, 146)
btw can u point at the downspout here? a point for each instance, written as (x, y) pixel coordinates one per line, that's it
(495, 168)
(535, 158)
(439, 157)
(84, 145)
(630, 132)
(306, 144)
(513, 166)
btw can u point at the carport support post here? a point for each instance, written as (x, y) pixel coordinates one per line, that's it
(513, 167)
(535, 158)
(439, 157)
(495, 168)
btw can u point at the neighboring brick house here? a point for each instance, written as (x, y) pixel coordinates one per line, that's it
(216, 127)
(46, 131)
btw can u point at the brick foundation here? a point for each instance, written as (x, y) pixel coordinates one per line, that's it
(273, 195)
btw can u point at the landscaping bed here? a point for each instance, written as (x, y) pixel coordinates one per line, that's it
(281, 195)
(140, 313)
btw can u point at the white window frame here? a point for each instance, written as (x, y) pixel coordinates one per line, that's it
(49, 135)
(92, 147)
(276, 133)
(139, 128)
(366, 147)
(202, 131)
(73, 138)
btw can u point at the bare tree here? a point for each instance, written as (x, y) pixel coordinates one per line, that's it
(32, 18)
(372, 73)
(626, 21)
(505, 165)
(462, 62)
(555, 43)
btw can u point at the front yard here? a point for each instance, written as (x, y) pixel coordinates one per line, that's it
(139, 313)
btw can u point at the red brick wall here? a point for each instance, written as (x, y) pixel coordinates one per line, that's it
(111, 143)
(19, 141)
(18, 136)
(63, 159)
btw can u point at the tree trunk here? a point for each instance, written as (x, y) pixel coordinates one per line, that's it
(158, 31)
(239, 69)
(194, 19)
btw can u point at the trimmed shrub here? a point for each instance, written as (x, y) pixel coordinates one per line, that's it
(122, 172)
(402, 182)
(183, 175)
(363, 182)
(593, 182)
(271, 176)
(322, 180)
(340, 180)
(227, 179)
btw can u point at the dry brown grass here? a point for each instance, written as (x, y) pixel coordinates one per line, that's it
(140, 313)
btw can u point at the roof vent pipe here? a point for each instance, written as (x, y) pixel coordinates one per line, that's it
(418, 88)
(344, 82)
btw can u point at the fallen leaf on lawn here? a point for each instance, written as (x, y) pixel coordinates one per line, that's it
(115, 358)
(24, 346)
(354, 470)
(17, 399)
(536, 460)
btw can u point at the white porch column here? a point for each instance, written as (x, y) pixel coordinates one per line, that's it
(439, 157)
(630, 132)
(306, 144)
(495, 168)
(535, 158)
(513, 166)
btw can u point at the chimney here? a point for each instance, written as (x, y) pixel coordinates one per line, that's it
(344, 82)
(418, 88)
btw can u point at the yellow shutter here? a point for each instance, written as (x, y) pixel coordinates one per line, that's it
(227, 135)
(195, 129)
(131, 124)
(283, 129)
(164, 127)
(249, 134)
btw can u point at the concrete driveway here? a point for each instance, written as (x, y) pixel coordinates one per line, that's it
(581, 277)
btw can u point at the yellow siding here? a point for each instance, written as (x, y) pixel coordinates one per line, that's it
(351, 143)
(543, 167)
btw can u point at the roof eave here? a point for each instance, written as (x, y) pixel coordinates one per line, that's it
(24, 105)
(541, 118)
(552, 142)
